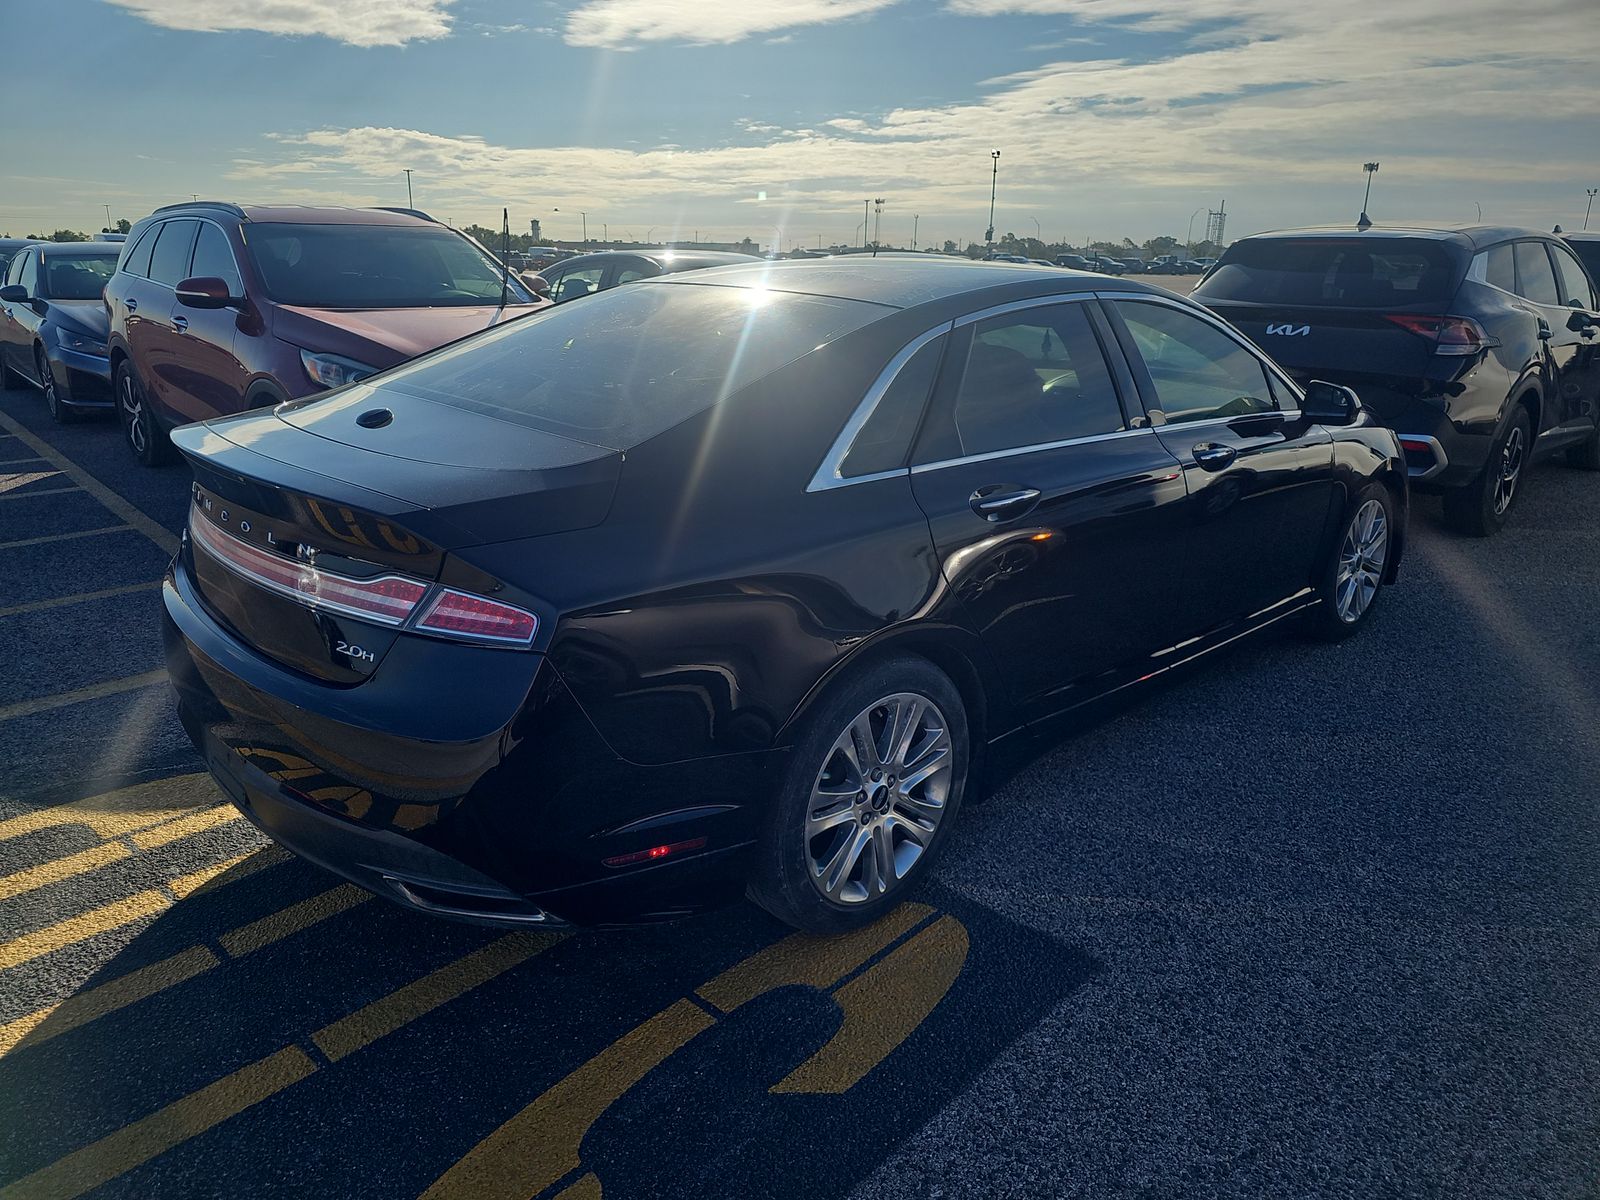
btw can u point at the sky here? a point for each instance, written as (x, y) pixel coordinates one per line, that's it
(775, 119)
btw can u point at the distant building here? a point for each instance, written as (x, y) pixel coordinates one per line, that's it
(533, 228)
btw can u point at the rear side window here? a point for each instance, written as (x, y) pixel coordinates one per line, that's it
(1536, 280)
(170, 261)
(1496, 266)
(1353, 272)
(631, 362)
(1199, 372)
(884, 442)
(1577, 291)
(137, 261)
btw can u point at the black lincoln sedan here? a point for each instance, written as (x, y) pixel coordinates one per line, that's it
(1477, 344)
(741, 579)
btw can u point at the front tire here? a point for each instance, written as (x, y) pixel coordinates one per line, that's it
(1352, 580)
(1481, 507)
(142, 432)
(60, 410)
(869, 796)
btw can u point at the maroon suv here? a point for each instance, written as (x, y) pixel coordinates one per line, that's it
(216, 308)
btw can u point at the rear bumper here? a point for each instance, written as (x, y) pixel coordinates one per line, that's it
(1440, 453)
(466, 784)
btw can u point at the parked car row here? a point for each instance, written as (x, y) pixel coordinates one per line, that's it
(585, 274)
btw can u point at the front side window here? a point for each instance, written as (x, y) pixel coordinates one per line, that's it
(76, 276)
(19, 264)
(213, 259)
(1576, 289)
(578, 282)
(169, 263)
(1035, 377)
(376, 266)
(1536, 280)
(884, 442)
(1199, 372)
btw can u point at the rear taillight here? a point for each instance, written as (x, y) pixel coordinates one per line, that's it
(388, 599)
(1449, 335)
(458, 614)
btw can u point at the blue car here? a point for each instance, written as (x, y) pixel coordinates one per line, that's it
(53, 324)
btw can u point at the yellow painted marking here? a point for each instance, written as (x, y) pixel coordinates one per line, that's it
(242, 867)
(82, 927)
(882, 1007)
(278, 925)
(586, 1188)
(365, 1026)
(183, 827)
(60, 537)
(111, 687)
(136, 1144)
(542, 1142)
(86, 1006)
(185, 886)
(34, 495)
(80, 863)
(10, 481)
(120, 507)
(78, 598)
(122, 812)
(808, 960)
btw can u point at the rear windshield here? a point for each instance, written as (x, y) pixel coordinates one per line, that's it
(1337, 272)
(76, 276)
(375, 266)
(623, 365)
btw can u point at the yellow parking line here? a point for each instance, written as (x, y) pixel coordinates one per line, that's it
(80, 863)
(37, 494)
(163, 1129)
(82, 927)
(398, 1008)
(239, 868)
(123, 811)
(186, 885)
(120, 507)
(77, 598)
(96, 691)
(61, 537)
(10, 481)
(184, 827)
(278, 925)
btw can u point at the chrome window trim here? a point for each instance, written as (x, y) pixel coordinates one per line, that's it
(828, 471)
(997, 310)
(991, 455)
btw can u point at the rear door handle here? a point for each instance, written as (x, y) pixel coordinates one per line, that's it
(1214, 456)
(133, 305)
(180, 323)
(1003, 501)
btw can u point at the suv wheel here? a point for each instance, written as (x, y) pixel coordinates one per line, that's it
(1482, 506)
(1353, 578)
(869, 796)
(143, 433)
(53, 400)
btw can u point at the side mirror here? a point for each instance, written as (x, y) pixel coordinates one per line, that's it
(203, 291)
(1577, 322)
(1330, 404)
(13, 293)
(539, 285)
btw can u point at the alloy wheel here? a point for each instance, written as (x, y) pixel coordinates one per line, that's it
(47, 382)
(133, 414)
(1510, 470)
(1361, 560)
(879, 798)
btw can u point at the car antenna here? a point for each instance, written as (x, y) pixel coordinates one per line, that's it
(505, 253)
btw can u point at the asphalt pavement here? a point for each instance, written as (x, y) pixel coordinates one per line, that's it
(1314, 921)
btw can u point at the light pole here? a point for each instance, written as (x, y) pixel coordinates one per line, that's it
(877, 224)
(409, 204)
(107, 207)
(916, 218)
(1371, 169)
(994, 182)
(1586, 209)
(648, 234)
(605, 232)
(1038, 231)
(866, 215)
(1188, 237)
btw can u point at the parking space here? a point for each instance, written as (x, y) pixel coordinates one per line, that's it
(1290, 926)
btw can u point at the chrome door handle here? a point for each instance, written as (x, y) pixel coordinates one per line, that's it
(133, 305)
(997, 502)
(1213, 456)
(180, 323)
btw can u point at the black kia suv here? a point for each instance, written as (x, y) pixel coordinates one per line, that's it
(1479, 346)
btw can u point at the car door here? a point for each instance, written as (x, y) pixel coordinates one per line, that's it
(1259, 474)
(209, 380)
(160, 349)
(1536, 284)
(1054, 509)
(13, 313)
(1580, 379)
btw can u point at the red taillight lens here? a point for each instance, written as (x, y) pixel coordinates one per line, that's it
(388, 599)
(655, 853)
(1450, 335)
(458, 614)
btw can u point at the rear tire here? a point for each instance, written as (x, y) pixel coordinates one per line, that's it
(140, 430)
(847, 836)
(1481, 507)
(1352, 579)
(60, 411)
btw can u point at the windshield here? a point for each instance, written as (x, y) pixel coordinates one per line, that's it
(77, 276)
(1336, 272)
(375, 266)
(626, 364)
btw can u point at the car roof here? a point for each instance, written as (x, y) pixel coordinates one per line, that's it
(682, 260)
(81, 249)
(299, 214)
(1476, 236)
(902, 282)
(17, 243)
(1580, 236)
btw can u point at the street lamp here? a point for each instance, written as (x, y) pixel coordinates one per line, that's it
(1188, 238)
(877, 225)
(917, 217)
(1587, 207)
(1364, 221)
(994, 181)
(409, 204)
(866, 215)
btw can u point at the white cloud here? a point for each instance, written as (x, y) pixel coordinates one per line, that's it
(357, 22)
(623, 24)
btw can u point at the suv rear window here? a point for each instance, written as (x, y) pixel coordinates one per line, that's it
(624, 365)
(1337, 272)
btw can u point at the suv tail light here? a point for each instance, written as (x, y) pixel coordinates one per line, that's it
(1450, 335)
(393, 600)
